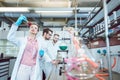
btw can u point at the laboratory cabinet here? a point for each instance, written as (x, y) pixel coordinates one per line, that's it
(6, 67)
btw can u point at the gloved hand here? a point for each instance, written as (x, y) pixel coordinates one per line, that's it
(41, 53)
(20, 20)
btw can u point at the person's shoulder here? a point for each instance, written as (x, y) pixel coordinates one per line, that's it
(49, 42)
(40, 38)
(59, 42)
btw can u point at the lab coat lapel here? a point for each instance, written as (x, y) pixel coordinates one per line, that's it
(38, 69)
(19, 57)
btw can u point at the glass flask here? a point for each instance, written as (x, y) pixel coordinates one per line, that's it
(80, 68)
(83, 65)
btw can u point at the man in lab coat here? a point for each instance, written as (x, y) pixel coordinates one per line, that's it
(53, 48)
(27, 65)
(46, 35)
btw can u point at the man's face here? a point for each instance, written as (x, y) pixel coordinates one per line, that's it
(33, 29)
(48, 35)
(55, 38)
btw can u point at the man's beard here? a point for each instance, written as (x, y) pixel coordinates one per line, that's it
(54, 41)
(47, 39)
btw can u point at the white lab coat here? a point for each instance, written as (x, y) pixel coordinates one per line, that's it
(21, 43)
(46, 64)
(52, 52)
(52, 49)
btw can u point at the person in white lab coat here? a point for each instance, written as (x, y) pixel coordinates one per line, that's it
(52, 49)
(54, 46)
(46, 35)
(27, 65)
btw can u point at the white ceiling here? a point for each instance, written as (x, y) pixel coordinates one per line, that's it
(48, 3)
(37, 3)
(50, 12)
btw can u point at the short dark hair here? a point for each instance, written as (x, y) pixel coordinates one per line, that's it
(56, 35)
(46, 30)
(32, 23)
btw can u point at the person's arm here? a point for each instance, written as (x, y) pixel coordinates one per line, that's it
(44, 56)
(12, 33)
(47, 58)
(43, 53)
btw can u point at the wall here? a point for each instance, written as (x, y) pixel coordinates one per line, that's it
(114, 50)
(4, 26)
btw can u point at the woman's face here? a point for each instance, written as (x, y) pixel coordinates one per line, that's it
(33, 29)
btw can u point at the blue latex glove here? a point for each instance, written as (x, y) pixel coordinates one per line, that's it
(98, 51)
(41, 52)
(20, 20)
(104, 51)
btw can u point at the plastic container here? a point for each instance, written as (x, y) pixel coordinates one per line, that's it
(63, 46)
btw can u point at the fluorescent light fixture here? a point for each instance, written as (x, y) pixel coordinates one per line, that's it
(53, 11)
(25, 9)
(13, 9)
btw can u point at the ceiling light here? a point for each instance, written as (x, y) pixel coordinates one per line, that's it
(13, 9)
(53, 11)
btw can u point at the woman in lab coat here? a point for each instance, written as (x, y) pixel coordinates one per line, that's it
(27, 65)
